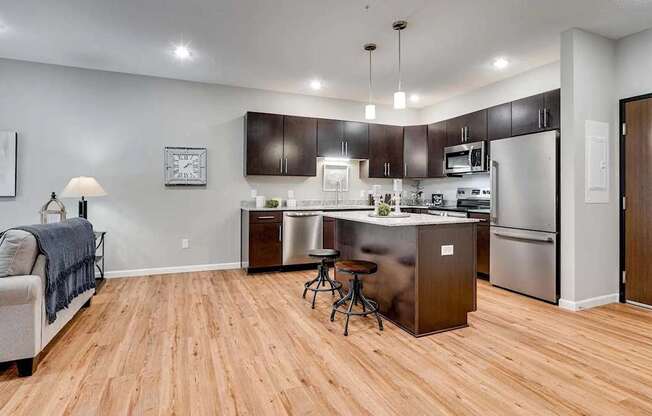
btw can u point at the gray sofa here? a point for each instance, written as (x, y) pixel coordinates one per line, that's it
(24, 328)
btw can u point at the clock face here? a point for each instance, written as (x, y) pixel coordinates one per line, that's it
(185, 166)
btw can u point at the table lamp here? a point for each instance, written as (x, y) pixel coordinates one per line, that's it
(82, 187)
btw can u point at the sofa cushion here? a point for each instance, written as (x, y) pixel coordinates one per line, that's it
(18, 251)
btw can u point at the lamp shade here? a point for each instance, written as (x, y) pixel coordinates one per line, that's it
(83, 186)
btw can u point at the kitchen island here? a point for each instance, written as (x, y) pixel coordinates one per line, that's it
(426, 278)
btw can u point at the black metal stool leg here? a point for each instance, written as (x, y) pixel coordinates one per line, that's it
(373, 306)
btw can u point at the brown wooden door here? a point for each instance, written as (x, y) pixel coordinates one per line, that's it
(638, 212)
(499, 122)
(356, 140)
(263, 144)
(482, 242)
(300, 146)
(436, 143)
(476, 126)
(394, 138)
(330, 138)
(329, 233)
(415, 151)
(265, 245)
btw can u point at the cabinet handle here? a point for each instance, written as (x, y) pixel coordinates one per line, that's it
(342, 152)
(286, 165)
(269, 217)
(545, 117)
(539, 114)
(280, 232)
(389, 169)
(281, 164)
(346, 149)
(462, 134)
(405, 170)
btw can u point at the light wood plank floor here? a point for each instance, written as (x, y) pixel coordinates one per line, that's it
(223, 343)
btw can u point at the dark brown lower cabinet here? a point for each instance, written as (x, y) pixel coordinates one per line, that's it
(265, 246)
(482, 240)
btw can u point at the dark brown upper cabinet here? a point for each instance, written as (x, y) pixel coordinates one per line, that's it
(415, 151)
(437, 141)
(280, 145)
(385, 151)
(263, 144)
(337, 138)
(468, 128)
(499, 121)
(300, 146)
(536, 113)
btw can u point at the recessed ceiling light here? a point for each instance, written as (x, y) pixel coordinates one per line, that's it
(501, 63)
(315, 84)
(414, 98)
(182, 52)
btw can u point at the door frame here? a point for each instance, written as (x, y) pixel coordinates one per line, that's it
(622, 173)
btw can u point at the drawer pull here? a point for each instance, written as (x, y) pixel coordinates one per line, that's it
(269, 217)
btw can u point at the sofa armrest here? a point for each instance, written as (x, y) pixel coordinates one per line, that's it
(20, 290)
(21, 305)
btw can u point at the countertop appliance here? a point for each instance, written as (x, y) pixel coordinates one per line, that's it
(466, 158)
(524, 227)
(302, 231)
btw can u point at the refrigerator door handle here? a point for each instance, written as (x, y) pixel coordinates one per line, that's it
(494, 191)
(524, 237)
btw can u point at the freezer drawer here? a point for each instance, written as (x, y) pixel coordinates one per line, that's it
(524, 261)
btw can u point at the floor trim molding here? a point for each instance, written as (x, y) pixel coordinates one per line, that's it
(170, 270)
(588, 303)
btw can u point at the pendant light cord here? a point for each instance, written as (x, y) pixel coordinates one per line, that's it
(399, 60)
(370, 77)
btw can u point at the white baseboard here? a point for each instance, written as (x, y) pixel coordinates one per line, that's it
(588, 303)
(169, 270)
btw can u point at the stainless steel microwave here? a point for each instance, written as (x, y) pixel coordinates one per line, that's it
(466, 158)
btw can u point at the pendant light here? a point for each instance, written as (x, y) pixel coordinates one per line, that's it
(370, 108)
(399, 96)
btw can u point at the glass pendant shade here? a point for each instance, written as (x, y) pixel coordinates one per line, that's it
(370, 112)
(399, 100)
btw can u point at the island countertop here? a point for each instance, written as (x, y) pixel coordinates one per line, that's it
(412, 220)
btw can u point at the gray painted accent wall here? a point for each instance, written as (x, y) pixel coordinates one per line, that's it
(113, 126)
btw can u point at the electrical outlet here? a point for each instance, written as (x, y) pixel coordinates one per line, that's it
(185, 243)
(447, 250)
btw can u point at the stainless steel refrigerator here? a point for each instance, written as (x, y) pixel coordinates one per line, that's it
(524, 224)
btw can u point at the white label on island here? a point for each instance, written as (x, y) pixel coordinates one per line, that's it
(447, 250)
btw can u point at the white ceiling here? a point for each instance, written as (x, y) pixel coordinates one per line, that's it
(281, 45)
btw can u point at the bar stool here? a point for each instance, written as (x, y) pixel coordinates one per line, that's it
(355, 295)
(327, 256)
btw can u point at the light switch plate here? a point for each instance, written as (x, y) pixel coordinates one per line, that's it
(447, 250)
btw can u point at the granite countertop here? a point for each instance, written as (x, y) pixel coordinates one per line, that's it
(412, 220)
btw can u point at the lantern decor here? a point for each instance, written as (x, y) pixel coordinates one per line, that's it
(53, 211)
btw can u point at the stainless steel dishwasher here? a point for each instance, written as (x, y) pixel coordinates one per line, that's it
(302, 231)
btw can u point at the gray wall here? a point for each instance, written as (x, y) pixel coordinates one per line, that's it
(634, 64)
(113, 126)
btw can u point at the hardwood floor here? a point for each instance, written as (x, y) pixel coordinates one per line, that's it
(226, 343)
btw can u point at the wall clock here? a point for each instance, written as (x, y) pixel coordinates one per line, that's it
(185, 166)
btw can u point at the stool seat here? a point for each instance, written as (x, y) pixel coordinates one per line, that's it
(324, 253)
(356, 267)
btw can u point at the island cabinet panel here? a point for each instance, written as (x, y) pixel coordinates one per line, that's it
(300, 146)
(483, 243)
(499, 122)
(415, 151)
(385, 151)
(447, 283)
(436, 145)
(329, 233)
(536, 113)
(263, 144)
